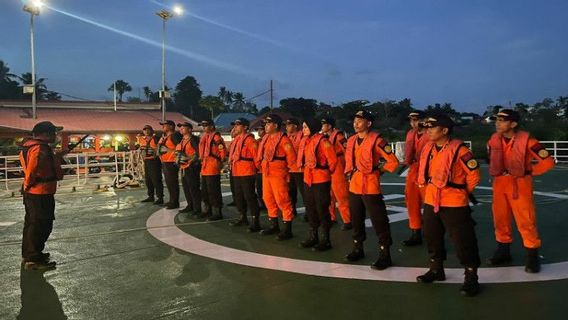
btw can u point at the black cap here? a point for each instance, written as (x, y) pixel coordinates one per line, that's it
(259, 127)
(45, 127)
(241, 121)
(328, 120)
(363, 114)
(507, 115)
(169, 122)
(273, 118)
(314, 125)
(185, 124)
(439, 120)
(417, 114)
(207, 122)
(293, 121)
(148, 127)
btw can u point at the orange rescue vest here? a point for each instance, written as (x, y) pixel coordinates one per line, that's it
(514, 163)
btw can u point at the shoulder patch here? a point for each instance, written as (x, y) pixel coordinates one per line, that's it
(220, 146)
(287, 146)
(388, 149)
(327, 144)
(543, 153)
(469, 161)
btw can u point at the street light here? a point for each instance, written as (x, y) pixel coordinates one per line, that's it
(165, 15)
(33, 7)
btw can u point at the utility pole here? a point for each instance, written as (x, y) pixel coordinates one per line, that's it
(271, 96)
(114, 94)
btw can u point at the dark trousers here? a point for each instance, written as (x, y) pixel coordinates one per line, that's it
(258, 182)
(190, 184)
(232, 184)
(211, 191)
(296, 185)
(374, 205)
(461, 230)
(245, 196)
(153, 178)
(317, 199)
(38, 223)
(171, 171)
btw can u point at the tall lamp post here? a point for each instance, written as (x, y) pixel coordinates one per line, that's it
(33, 7)
(165, 15)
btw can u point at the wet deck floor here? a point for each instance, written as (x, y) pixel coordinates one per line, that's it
(111, 267)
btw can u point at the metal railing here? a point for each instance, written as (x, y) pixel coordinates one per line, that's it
(558, 149)
(398, 148)
(80, 166)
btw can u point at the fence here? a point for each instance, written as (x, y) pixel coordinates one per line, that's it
(82, 167)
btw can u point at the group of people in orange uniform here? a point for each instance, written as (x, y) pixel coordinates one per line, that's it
(316, 160)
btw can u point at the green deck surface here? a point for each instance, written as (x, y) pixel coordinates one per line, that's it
(110, 267)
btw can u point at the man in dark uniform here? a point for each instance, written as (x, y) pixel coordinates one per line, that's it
(152, 165)
(167, 149)
(42, 169)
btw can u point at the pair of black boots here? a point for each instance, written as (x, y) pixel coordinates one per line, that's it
(436, 272)
(315, 242)
(275, 229)
(383, 261)
(502, 255)
(159, 201)
(243, 221)
(211, 213)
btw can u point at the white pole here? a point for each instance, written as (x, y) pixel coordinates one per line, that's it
(34, 97)
(163, 100)
(114, 94)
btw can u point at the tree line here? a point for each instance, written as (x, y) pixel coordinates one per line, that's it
(546, 120)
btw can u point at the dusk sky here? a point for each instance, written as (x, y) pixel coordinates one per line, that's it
(471, 53)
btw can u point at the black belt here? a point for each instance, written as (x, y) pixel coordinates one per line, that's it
(339, 154)
(246, 159)
(456, 185)
(278, 158)
(318, 166)
(44, 180)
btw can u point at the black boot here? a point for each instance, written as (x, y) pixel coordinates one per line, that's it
(149, 199)
(533, 261)
(159, 201)
(325, 242)
(470, 286)
(273, 229)
(414, 240)
(436, 273)
(255, 226)
(312, 239)
(172, 205)
(501, 255)
(357, 253)
(217, 215)
(347, 226)
(286, 233)
(187, 209)
(384, 261)
(242, 221)
(206, 212)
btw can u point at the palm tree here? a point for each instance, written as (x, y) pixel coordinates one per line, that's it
(238, 101)
(121, 87)
(226, 96)
(5, 74)
(41, 87)
(147, 93)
